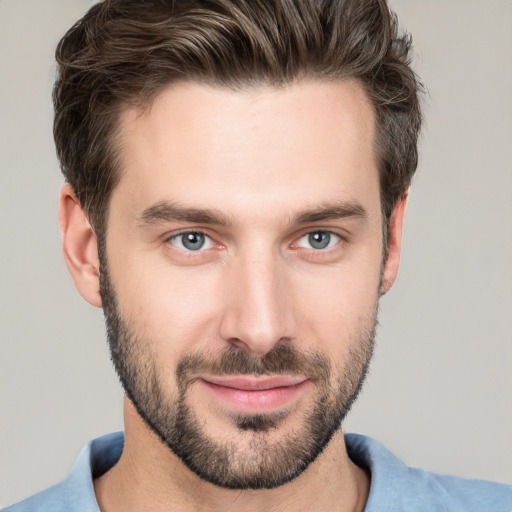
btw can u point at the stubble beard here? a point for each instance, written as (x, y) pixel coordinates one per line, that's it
(259, 459)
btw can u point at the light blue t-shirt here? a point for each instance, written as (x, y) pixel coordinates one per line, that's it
(394, 486)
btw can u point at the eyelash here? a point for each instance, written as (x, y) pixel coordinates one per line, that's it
(179, 236)
(295, 245)
(331, 235)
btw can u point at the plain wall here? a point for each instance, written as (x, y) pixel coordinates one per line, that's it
(439, 393)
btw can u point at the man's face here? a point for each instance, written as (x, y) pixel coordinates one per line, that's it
(242, 272)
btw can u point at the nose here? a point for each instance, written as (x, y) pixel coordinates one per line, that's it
(257, 311)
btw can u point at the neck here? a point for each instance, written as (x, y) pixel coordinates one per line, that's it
(150, 477)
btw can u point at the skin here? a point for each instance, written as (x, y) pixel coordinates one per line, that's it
(261, 157)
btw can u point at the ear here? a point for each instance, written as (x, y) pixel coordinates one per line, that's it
(394, 245)
(79, 246)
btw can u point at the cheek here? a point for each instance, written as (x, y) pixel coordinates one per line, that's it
(337, 308)
(173, 308)
(179, 309)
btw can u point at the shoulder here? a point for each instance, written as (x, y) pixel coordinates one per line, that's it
(76, 492)
(49, 499)
(464, 494)
(397, 487)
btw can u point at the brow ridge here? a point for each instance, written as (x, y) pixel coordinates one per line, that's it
(330, 211)
(168, 211)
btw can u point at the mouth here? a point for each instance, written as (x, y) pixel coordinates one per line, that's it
(255, 395)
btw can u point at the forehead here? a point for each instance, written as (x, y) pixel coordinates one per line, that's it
(302, 144)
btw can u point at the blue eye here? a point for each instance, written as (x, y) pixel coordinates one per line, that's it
(318, 240)
(192, 241)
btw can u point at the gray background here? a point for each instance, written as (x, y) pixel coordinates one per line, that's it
(439, 393)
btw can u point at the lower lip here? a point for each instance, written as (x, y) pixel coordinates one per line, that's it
(256, 401)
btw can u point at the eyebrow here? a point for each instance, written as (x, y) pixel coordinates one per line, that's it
(330, 211)
(168, 211)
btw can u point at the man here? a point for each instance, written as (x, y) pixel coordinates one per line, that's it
(237, 176)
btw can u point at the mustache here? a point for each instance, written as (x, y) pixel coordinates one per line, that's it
(281, 359)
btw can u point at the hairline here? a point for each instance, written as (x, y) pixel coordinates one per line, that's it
(144, 105)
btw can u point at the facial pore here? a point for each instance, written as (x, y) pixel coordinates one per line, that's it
(263, 462)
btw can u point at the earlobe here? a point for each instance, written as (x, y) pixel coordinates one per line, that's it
(79, 246)
(392, 263)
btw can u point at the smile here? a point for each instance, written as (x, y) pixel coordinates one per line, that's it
(255, 395)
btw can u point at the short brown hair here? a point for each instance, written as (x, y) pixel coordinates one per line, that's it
(124, 52)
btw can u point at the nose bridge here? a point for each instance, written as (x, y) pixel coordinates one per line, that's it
(256, 314)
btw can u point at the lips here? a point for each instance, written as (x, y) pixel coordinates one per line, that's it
(255, 395)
